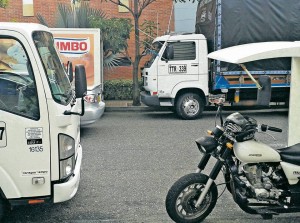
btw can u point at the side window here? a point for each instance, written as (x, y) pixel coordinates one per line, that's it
(18, 92)
(184, 51)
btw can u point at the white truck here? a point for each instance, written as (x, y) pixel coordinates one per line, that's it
(40, 151)
(182, 82)
(84, 46)
(180, 76)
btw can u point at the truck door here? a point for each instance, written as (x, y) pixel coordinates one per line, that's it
(24, 125)
(183, 67)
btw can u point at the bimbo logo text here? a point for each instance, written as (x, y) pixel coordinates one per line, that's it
(72, 47)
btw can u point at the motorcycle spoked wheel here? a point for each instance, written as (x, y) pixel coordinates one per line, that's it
(183, 195)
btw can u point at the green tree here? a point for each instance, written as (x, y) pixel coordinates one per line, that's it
(73, 16)
(3, 3)
(115, 32)
(138, 7)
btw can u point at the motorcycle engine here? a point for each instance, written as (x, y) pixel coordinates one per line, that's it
(261, 183)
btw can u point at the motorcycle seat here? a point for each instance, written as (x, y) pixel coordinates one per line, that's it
(290, 154)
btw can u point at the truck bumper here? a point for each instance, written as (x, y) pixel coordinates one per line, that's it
(92, 112)
(147, 99)
(65, 191)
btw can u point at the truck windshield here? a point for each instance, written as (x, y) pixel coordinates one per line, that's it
(58, 81)
(153, 51)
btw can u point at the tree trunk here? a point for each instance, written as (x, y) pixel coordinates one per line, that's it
(135, 79)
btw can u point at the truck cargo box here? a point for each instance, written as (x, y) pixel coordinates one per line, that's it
(228, 23)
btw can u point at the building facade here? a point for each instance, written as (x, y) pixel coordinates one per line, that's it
(160, 11)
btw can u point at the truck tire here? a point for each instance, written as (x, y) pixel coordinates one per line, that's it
(189, 106)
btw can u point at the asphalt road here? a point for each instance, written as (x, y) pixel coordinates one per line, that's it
(130, 160)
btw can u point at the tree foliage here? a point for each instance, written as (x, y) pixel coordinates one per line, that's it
(149, 32)
(136, 11)
(115, 32)
(3, 3)
(69, 16)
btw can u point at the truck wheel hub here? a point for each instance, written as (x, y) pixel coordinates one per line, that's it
(191, 106)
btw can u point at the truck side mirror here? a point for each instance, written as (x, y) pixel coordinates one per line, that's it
(70, 71)
(169, 52)
(264, 94)
(80, 81)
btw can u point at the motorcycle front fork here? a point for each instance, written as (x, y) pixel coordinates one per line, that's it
(202, 164)
(213, 174)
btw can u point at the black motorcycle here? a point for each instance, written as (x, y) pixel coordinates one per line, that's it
(262, 180)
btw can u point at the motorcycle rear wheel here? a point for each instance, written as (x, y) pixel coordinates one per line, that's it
(183, 195)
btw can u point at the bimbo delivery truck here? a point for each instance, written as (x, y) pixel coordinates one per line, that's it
(180, 76)
(84, 46)
(40, 151)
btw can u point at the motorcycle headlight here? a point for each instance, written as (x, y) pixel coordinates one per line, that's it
(207, 144)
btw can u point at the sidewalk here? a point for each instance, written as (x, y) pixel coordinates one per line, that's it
(126, 105)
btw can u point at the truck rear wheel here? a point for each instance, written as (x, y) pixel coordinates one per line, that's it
(189, 106)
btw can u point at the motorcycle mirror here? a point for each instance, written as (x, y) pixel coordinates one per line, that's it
(264, 94)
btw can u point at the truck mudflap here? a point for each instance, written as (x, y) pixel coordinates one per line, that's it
(149, 100)
(65, 191)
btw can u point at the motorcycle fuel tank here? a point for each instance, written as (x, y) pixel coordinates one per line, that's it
(252, 151)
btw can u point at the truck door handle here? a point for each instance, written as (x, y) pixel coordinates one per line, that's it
(194, 65)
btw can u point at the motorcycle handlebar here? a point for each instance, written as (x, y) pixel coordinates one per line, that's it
(264, 128)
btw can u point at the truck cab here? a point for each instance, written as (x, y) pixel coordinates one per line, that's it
(178, 79)
(40, 151)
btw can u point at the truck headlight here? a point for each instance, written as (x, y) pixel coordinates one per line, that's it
(66, 146)
(66, 167)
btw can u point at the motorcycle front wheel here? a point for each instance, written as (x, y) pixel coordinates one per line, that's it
(183, 195)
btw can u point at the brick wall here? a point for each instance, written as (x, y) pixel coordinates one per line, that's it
(160, 9)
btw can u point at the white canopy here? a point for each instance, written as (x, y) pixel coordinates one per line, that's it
(257, 51)
(266, 50)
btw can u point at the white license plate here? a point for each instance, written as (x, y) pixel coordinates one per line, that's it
(177, 68)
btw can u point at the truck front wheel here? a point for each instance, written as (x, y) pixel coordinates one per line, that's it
(189, 106)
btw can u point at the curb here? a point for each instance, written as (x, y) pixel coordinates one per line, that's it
(134, 108)
(207, 110)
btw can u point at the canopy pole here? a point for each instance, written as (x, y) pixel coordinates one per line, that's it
(250, 75)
